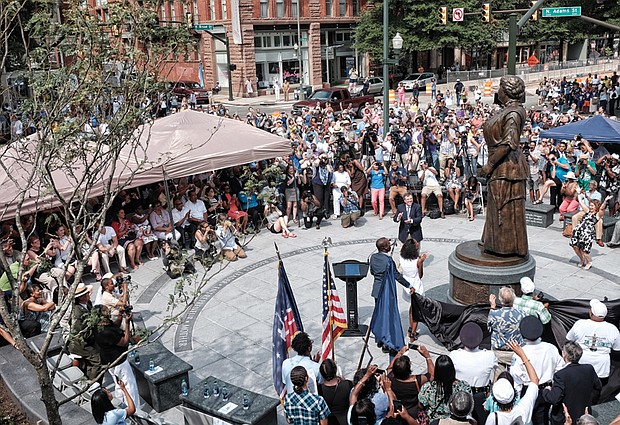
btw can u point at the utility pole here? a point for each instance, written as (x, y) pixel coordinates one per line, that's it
(515, 28)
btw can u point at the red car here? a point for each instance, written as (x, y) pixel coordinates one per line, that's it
(186, 88)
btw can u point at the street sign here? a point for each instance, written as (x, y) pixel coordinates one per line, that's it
(561, 12)
(457, 14)
(203, 27)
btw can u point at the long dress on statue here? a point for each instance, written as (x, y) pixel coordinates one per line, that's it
(505, 230)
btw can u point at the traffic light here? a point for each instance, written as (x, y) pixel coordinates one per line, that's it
(443, 11)
(190, 20)
(233, 66)
(535, 15)
(486, 12)
(116, 31)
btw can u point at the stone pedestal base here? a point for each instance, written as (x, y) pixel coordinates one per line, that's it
(474, 274)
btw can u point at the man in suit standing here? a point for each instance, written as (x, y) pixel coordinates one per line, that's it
(574, 386)
(379, 263)
(409, 215)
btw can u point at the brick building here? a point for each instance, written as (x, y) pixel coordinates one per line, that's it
(267, 39)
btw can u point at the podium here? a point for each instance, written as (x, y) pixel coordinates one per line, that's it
(352, 271)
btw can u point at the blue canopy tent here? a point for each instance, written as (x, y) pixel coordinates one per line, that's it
(595, 129)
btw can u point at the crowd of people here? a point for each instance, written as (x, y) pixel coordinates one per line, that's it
(339, 165)
(520, 380)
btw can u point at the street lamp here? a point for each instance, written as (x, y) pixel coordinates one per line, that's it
(397, 45)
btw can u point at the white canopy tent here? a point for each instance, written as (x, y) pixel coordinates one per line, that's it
(179, 145)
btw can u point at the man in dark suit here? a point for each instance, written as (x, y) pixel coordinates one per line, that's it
(574, 386)
(409, 215)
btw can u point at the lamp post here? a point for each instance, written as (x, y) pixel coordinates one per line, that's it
(397, 44)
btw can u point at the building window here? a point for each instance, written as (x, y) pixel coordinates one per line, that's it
(173, 13)
(277, 41)
(195, 8)
(267, 41)
(224, 11)
(212, 10)
(286, 41)
(329, 6)
(356, 7)
(343, 7)
(280, 8)
(258, 42)
(264, 8)
(294, 8)
(163, 12)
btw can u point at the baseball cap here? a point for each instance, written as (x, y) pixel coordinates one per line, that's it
(527, 286)
(598, 308)
(107, 276)
(503, 392)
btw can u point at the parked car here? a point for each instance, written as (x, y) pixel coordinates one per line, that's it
(422, 79)
(337, 97)
(185, 88)
(376, 87)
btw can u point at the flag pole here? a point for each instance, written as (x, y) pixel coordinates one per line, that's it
(277, 251)
(329, 306)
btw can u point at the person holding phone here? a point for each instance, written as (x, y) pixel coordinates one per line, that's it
(103, 410)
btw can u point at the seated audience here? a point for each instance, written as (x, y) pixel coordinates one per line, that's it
(104, 411)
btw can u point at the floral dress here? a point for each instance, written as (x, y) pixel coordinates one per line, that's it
(434, 404)
(453, 181)
(583, 233)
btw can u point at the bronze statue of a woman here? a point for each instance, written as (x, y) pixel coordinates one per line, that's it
(505, 232)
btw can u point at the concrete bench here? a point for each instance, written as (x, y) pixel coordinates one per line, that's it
(539, 215)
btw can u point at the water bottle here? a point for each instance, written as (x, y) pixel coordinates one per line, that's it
(137, 359)
(246, 402)
(224, 393)
(132, 353)
(216, 388)
(206, 393)
(151, 365)
(184, 388)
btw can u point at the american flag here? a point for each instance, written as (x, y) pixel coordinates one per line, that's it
(286, 323)
(335, 323)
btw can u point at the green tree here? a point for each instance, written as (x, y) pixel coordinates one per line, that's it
(419, 25)
(76, 65)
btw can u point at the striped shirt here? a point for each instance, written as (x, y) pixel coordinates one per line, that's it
(531, 307)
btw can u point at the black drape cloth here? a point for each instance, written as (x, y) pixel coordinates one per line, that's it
(445, 320)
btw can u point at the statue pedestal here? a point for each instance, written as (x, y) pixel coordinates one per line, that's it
(474, 274)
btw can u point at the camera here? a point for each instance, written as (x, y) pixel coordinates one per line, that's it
(126, 311)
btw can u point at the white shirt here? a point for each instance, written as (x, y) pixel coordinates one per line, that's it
(601, 335)
(104, 240)
(196, 209)
(178, 215)
(545, 359)
(523, 409)
(430, 179)
(474, 366)
(312, 367)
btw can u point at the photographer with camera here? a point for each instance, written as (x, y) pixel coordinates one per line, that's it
(398, 184)
(311, 209)
(113, 342)
(585, 170)
(114, 295)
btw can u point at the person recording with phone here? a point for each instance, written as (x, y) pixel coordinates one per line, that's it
(113, 343)
(104, 411)
(406, 385)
